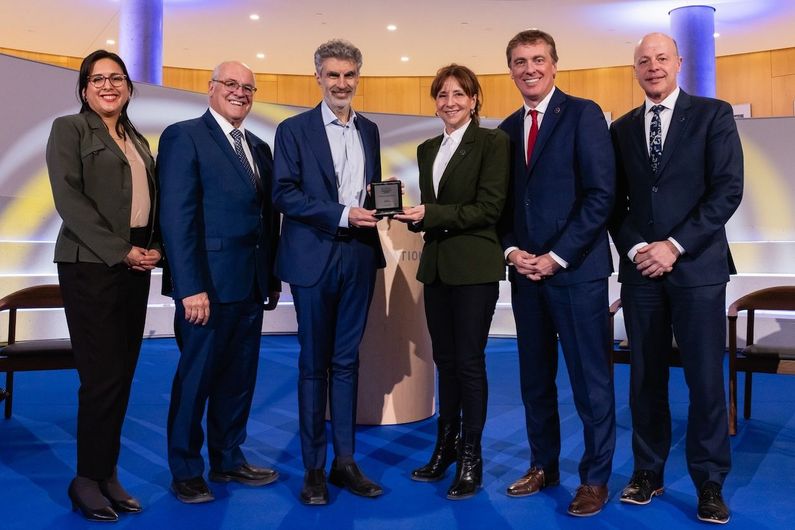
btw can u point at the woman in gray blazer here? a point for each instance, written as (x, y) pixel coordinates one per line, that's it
(102, 177)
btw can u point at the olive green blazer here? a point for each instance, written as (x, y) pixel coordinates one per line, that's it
(461, 244)
(92, 188)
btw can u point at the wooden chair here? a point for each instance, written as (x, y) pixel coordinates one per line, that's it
(27, 355)
(754, 357)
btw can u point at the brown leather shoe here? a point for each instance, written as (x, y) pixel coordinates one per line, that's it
(589, 500)
(532, 482)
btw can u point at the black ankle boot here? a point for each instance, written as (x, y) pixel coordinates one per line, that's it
(469, 468)
(445, 452)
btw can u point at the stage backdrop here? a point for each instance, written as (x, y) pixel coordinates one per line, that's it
(762, 232)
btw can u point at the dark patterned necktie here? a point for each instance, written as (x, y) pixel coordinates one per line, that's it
(655, 138)
(238, 137)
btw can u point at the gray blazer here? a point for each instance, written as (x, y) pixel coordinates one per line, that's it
(92, 187)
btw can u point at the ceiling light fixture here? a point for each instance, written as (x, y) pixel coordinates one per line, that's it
(260, 55)
(110, 42)
(391, 27)
(253, 16)
(716, 35)
(405, 58)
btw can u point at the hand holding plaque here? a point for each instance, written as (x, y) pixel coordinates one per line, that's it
(387, 197)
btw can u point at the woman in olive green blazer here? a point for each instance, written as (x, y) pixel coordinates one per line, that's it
(102, 177)
(463, 182)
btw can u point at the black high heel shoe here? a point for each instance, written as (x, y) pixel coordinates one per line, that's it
(120, 500)
(86, 497)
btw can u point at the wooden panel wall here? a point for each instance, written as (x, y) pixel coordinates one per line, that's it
(766, 80)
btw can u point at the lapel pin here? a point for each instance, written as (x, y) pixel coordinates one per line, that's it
(557, 110)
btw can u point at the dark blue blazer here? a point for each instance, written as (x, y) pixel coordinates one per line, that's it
(562, 199)
(305, 191)
(695, 191)
(219, 232)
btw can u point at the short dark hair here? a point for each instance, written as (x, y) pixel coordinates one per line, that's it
(468, 81)
(532, 36)
(338, 49)
(124, 123)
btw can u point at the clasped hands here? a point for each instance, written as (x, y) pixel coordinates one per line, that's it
(141, 259)
(533, 267)
(656, 259)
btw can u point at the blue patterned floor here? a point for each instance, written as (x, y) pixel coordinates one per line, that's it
(37, 459)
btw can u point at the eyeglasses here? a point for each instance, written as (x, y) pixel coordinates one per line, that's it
(232, 85)
(98, 80)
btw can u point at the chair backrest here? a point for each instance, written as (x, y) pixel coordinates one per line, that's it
(780, 298)
(773, 298)
(35, 297)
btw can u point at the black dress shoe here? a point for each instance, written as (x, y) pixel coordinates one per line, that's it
(86, 497)
(314, 491)
(246, 474)
(192, 491)
(643, 485)
(350, 477)
(711, 508)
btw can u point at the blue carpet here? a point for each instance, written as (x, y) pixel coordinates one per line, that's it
(37, 459)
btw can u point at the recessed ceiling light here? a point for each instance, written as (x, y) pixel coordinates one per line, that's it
(260, 55)
(391, 27)
(405, 58)
(110, 42)
(716, 35)
(253, 16)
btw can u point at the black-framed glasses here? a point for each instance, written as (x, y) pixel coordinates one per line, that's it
(98, 80)
(232, 85)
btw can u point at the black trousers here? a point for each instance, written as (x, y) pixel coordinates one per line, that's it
(105, 311)
(459, 318)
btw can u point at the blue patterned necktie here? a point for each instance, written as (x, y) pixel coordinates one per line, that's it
(238, 137)
(655, 138)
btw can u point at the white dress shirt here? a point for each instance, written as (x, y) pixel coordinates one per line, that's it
(450, 143)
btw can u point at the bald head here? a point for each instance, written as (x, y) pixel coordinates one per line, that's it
(657, 63)
(232, 103)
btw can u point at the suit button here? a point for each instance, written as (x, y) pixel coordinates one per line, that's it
(527, 202)
(257, 246)
(445, 231)
(654, 189)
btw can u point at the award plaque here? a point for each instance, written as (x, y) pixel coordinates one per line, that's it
(387, 197)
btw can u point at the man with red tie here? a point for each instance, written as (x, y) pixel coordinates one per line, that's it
(555, 240)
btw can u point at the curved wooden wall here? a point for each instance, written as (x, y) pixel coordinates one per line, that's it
(765, 79)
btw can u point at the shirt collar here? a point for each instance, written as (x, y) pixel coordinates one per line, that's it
(329, 117)
(225, 125)
(457, 134)
(668, 102)
(542, 105)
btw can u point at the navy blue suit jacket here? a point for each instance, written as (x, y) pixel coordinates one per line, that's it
(305, 191)
(695, 191)
(562, 199)
(219, 232)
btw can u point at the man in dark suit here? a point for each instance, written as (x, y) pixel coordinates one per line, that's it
(680, 178)
(221, 233)
(325, 159)
(555, 240)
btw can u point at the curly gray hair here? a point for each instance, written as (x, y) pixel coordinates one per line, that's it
(337, 49)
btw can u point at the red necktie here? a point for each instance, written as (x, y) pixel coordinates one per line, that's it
(531, 138)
